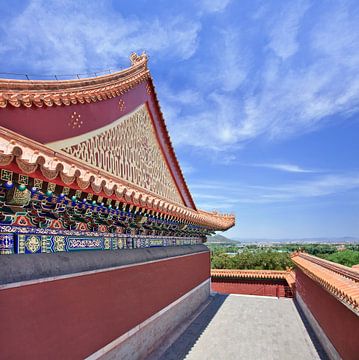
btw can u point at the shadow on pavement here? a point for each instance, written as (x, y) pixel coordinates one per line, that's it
(320, 350)
(180, 348)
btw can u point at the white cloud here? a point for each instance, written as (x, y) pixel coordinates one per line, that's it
(213, 6)
(335, 36)
(210, 109)
(238, 91)
(236, 194)
(187, 168)
(297, 99)
(282, 97)
(284, 30)
(230, 76)
(322, 186)
(227, 62)
(76, 36)
(213, 126)
(183, 97)
(286, 168)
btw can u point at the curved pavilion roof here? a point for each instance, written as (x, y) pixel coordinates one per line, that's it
(23, 143)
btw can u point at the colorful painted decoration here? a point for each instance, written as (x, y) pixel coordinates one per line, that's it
(46, 241)
(22, 187)
(9, 185)
(6, 243)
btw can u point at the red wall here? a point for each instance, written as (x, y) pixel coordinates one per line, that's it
(249, 287)
(339, 323)
(74, 317)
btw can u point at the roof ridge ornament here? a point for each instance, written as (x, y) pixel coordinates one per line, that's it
(137, 59)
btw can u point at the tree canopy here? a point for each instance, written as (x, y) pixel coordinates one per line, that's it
(277, 256)
(259, 259)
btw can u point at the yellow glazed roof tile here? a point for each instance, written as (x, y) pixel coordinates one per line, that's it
(341, 281)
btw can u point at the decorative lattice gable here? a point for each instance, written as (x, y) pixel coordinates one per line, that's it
(128, 149)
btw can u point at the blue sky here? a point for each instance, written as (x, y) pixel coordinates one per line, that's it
(261, 97)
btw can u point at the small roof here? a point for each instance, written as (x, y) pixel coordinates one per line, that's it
(287, 275)
(339, 280)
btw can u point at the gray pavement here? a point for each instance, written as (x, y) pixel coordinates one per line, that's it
(246, 327)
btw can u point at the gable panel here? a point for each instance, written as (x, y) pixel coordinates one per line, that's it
(127, 149)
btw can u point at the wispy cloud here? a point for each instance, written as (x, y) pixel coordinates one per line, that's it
(215, 124)
(213, 6)
(187, 168)
(322, 186)
(76, 36)
(291, 168)
(281, 79)
(284, 29)
(230, 75)
(232, 59)
(213, 110)
(234, 194)
(298, 96)
(183, 97)
(306, 76)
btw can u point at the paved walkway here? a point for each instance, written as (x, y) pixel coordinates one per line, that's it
(245, 327)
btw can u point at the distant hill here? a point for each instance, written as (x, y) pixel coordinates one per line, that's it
(321, 240)
(220, 239)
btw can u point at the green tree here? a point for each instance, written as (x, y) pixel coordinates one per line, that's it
(346, 257)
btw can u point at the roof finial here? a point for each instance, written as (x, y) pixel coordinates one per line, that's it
(136, 59)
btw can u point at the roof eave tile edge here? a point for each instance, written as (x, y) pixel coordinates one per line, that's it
(287, 275)
(351, 303)
(41, 93)
(135, 74)
(171, 148)
(15, 147)
(265, 274)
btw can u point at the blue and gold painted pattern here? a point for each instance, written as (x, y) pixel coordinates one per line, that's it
(6, 243)
(51, 241)
(35, 243)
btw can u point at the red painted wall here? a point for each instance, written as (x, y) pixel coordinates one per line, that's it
(72, 318)
(249, 287)
(339, 323)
